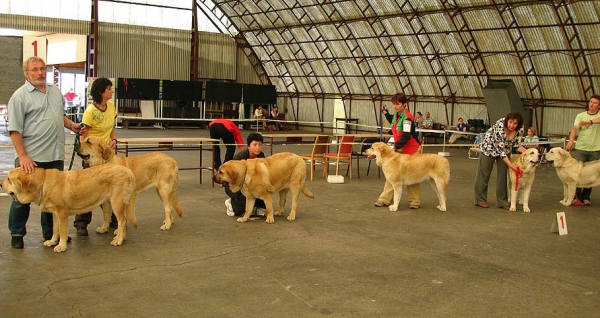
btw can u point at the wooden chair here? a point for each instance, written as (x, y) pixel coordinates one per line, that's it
(317, 157)
(343, 156)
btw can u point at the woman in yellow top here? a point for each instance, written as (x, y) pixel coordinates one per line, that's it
(98, 120)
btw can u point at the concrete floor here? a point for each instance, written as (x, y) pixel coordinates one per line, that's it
(342, 257)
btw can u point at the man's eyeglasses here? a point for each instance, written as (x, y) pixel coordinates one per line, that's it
(35, 70)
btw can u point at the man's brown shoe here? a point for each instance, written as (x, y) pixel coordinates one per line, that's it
(483, 205)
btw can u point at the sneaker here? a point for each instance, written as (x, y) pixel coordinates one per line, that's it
(259, 212)
(380, 204)
(229, 210)
(587, 202)
(576, 202)
(16, 242)
(82, 231)
(414, 207)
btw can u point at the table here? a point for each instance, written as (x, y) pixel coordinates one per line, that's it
(170, 144)
(361, 136)
(126, 120)
(290, 139)
(347, 122)
(545, 142)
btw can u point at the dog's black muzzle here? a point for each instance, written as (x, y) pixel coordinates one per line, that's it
(82, 156)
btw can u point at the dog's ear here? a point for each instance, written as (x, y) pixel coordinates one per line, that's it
(107, 152)
(235, 171)
(263, 170)
(22, 181)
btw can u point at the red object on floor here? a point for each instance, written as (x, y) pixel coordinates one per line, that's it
(576, 202)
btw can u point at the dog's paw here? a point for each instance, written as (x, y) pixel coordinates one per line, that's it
(165, 226)
(49, 243)
(101, 230)
(526, 209)
(513, 208)
(116, 241)
(441, 208)
(393, 208)
(278, 213)
(59, 248)
(565, 203)
(291, 217)
(242, 220)
(270, 220)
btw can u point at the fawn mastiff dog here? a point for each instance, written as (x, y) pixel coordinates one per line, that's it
(400, 169)
(573, 173)
(261, 177)
(67, 193)
(521, 186)
(151, 169)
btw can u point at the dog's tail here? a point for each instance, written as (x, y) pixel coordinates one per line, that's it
(130, 210)
(175, 199)
(307, 192)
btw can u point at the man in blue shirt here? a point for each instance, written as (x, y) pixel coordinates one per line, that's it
(36, 127)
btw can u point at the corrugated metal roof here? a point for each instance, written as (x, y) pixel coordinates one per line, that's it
(440, 49)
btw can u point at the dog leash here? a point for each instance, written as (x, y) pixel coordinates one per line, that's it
(76, 145)
(519, 174)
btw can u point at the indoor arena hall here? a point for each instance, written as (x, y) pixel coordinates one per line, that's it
(341, 257)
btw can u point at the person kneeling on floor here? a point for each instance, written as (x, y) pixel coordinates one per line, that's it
(236, 204)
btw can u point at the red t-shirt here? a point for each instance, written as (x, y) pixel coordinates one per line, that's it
(412, 145)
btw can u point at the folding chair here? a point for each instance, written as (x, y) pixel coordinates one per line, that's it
(474, 151)
(366, 143)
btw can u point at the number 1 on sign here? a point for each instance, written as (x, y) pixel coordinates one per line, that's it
(561, 220)
(34, 44)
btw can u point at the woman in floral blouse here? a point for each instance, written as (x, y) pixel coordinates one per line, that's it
(496, 146)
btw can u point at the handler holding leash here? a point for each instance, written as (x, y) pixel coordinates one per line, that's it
(236, 204)
(496, 146)
(405, 139)
(36, 127)
(98, 120)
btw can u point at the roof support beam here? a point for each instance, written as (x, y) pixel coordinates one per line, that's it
(505, 11)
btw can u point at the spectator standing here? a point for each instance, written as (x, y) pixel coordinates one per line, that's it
(587, 147)
(496, 147)
(69, 97)
(403, 129)
(36, 128)
(227, 131)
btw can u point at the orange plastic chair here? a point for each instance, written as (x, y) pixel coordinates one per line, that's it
(317, 157)
(342, 157)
